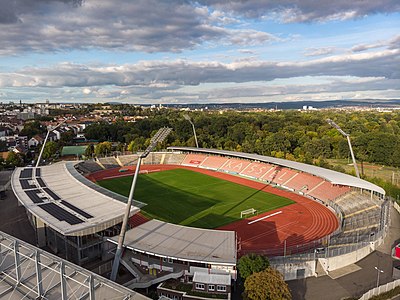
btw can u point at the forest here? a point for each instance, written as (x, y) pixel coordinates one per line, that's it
(294, 135)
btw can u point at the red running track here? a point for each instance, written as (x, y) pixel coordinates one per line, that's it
(300, 224)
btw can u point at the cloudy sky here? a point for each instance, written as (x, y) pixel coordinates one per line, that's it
(181, 51)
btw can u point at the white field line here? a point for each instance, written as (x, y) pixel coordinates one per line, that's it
(260, 219)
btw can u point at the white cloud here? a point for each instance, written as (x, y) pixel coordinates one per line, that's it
(183, 72)
(86, 91)
(319, 51)
(392, 43)
(142, 25)
(306, 10)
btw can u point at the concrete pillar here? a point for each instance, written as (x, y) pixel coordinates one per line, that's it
(66, 247)
(40, 233)
(78, 241)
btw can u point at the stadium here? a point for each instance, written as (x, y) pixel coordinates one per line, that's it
(201, 209)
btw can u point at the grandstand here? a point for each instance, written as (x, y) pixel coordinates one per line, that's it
(256, 170)
(327, 191)
(172, 158)
(128, 160)
(108, 162)
(213, 162)
(303, 182)
(193, 160)
(234, 166)
(89, 166)
(281, 176)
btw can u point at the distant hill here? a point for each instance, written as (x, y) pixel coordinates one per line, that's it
(293, 105)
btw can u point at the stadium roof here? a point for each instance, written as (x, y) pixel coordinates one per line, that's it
(183, 243)
(55, 195)
(330, 175)
(27, 272)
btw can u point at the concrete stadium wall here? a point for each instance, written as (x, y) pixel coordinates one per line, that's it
(340, 261)
(298, 270)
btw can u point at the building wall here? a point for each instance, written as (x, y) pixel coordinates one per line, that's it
(211, 288)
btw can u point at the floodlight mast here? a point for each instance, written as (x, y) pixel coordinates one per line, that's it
(194, 130)
(160, 136)
(44, 143)
(333, 124)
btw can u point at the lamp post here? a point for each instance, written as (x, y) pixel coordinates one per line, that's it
(44, 143)
(379, 272)
(194, 130)
(160, 136)
(333, 124)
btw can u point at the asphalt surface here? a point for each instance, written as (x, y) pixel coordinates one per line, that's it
(355, 283)
(13, 218)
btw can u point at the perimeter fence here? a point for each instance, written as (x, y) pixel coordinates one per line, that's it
(380, 289)
(335, 244)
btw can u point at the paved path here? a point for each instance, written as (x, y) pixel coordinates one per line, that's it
(356, 283)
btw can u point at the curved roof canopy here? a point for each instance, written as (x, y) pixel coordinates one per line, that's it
(57, 195)
(333, 176)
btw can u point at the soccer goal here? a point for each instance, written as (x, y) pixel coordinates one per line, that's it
(250, 211)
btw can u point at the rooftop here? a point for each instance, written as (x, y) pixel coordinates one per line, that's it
(183, 243)
(206, 278)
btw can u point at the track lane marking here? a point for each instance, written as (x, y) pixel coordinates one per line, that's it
(265, 217)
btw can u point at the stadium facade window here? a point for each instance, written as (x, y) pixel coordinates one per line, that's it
(221, 288)
(199, 286)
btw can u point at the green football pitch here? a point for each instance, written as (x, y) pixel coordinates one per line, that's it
(193, 199)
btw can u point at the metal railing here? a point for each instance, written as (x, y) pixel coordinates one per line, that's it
(333, 246)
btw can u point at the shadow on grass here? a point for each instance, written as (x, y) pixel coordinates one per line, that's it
(208, 221)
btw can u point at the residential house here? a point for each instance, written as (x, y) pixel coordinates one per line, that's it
(35, 141)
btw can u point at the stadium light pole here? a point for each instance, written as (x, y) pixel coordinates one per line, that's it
(333, 124)
(160, 136)
(45, 141)
(194, 130)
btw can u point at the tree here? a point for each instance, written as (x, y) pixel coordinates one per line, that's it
(120, 147)
(103, 148)
(67, 137)
(266, 285)
(13, 159)
(3, 146)
(252, 263)
(32, 128)
(2, 163)
(50, 149)
(89, 151)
